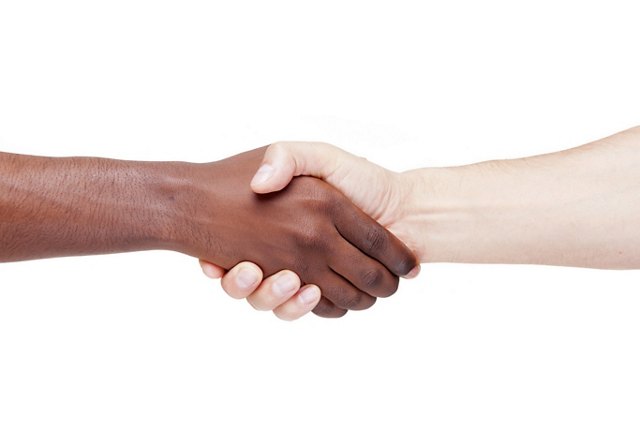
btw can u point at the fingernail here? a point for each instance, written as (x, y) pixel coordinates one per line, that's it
(413, 272)
(308, 296)
(263, 174)
(246, 278)
(285, 285)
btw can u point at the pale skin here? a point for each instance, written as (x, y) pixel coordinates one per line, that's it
(578, 207)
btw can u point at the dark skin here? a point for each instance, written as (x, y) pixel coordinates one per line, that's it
(51, 207)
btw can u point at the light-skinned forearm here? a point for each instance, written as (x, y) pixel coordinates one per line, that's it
(579, 207)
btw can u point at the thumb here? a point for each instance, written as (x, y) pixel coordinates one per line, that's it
(284, 160)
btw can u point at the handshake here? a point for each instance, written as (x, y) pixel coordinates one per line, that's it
(296, 227)
(316, 221)
(323, 241)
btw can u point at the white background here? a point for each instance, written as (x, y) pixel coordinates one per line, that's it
(141, 348)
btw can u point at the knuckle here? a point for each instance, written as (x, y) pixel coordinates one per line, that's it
(316, 192)
(309, 239)
(376, 239)
(314, 234)
(277, 147)
(345, 299)
(390, 287)
(372, 278)
(352, 299)
(277, 150)
(337, 205)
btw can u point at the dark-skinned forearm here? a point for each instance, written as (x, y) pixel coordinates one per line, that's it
(52, 207)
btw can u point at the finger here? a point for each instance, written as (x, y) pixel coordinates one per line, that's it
(300, 304)
(374, 240)
(211, 270)
(242, 280)
(364, 272)
(274, 291)
(284, 160)
(327, 309)
(343, 294)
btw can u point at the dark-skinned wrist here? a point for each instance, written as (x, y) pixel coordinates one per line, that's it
(192, 202)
